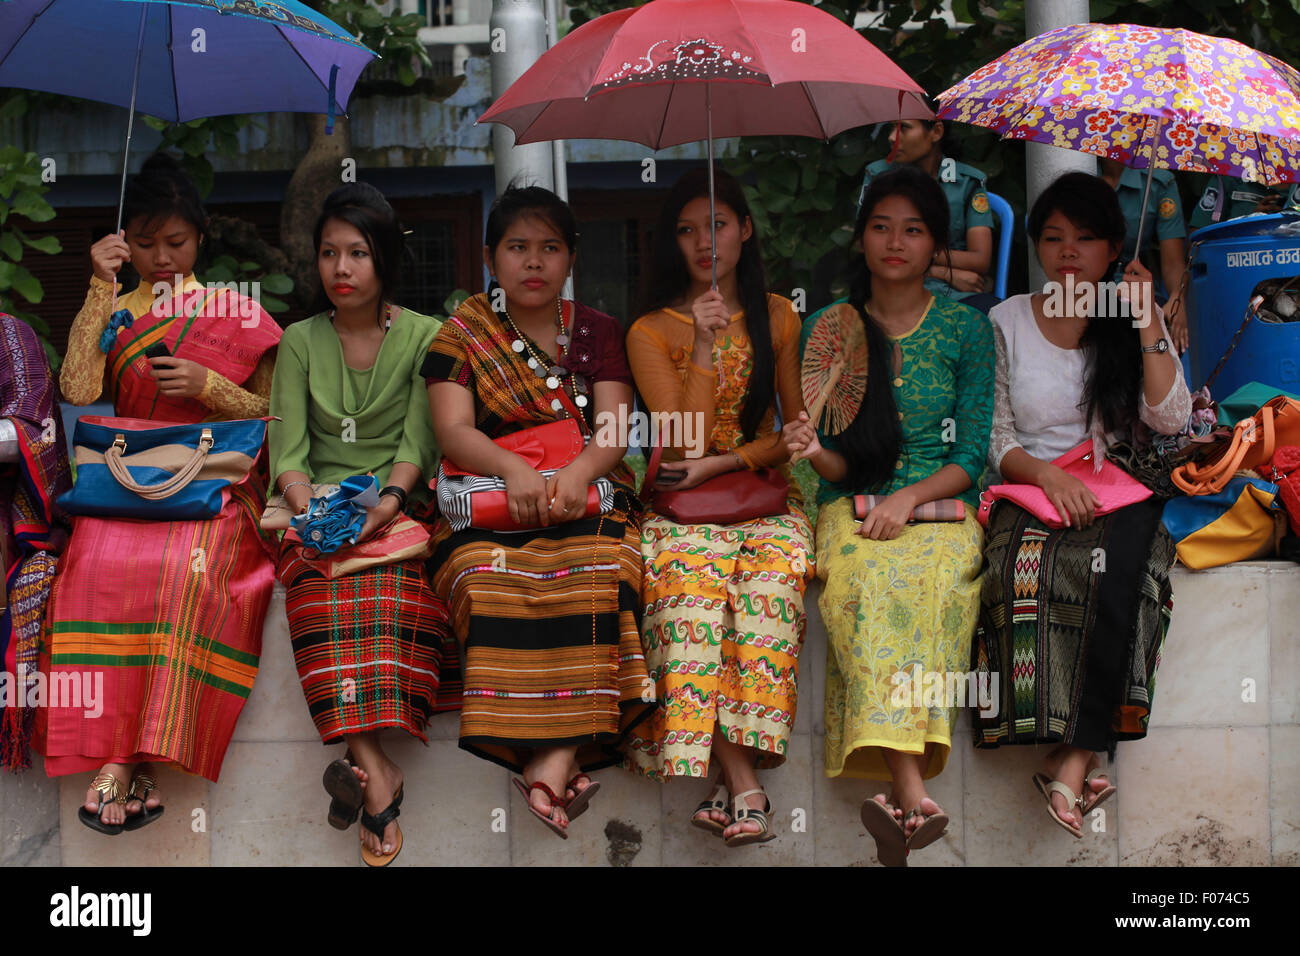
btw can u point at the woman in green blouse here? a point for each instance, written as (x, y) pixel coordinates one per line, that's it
(899, 599)
(369, 645)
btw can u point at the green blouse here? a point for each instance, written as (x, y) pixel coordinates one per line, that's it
(944, 394)
(340, 421)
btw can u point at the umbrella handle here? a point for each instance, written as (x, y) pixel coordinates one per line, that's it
(713, 217)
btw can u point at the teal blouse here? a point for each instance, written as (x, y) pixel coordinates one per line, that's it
(944, 394)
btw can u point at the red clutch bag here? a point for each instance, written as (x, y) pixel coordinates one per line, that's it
(470, 500)
(724, 499)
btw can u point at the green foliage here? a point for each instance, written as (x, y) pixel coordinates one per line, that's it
(22, 197)
(195, 139)
(227, 268)
(394, 37)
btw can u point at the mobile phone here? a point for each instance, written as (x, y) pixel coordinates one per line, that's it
(158, 350)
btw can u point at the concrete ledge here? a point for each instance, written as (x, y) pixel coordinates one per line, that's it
(1216, 782)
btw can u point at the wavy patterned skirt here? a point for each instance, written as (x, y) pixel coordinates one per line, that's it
(1072, 620)
(374, 649)
(549, 620)
(165, 617)
(895, 612)
(723, 627)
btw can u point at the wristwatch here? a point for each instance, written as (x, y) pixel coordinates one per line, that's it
(1162, 346)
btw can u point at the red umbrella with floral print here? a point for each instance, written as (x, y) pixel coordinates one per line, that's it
(679, 71)
(1146, 96)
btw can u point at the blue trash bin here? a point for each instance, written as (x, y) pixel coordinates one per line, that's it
(1229, 260)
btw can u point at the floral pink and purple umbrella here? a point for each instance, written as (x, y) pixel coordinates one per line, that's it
(1146, 96)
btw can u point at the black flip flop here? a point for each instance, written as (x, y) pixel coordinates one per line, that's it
(376, 825)
(345, 790)
(145, 816)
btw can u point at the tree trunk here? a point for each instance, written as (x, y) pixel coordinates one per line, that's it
(318, 174)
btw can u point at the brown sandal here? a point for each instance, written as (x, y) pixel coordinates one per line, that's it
(556, 803)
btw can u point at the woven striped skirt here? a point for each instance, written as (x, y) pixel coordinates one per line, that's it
(550, 625)
(1072, 622)
(162, 623)
(373, 648)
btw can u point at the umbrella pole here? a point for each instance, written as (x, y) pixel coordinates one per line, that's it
(130, 123)
(713, 218)
(1146, 193)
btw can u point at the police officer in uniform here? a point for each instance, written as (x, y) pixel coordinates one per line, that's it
(1226, 198)
(1164, 231)
(970, 223)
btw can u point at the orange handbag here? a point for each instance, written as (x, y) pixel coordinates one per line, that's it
(1252, 445)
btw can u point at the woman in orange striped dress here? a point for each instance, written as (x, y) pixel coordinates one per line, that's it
(548, 617)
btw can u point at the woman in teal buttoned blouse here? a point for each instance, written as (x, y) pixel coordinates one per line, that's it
(900, 599)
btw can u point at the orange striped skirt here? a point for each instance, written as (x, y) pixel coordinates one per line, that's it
(550, 622)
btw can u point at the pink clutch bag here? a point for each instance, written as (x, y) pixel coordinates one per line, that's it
(1113, 485)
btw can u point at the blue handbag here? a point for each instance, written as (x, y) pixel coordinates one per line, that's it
(159, 471)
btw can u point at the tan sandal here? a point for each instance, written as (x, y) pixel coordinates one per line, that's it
(108, 786)
(1047, 786)
(744, 812)
(1097, 798)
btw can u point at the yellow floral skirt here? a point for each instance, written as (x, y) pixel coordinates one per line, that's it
(722, 629)
(895, 612)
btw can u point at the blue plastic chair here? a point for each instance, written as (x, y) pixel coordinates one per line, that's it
(1006, 222)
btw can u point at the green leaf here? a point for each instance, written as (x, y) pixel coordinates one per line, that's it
(405, 75)
(11, 246)
(273, 305)
(277, 283)
(29, 203)
(249, 266)
(7, 270)
(49, 245)
(27, 285)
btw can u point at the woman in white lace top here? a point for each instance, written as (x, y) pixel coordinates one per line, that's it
(1072, 619)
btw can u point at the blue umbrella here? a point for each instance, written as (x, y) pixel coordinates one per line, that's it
(180, 60)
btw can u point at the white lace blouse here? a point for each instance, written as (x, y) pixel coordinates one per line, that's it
(1038, 388)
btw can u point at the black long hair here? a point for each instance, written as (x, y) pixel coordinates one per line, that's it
(162, 189)
(871, 443)
(670, 279)
(364, 207)
(1114, 377)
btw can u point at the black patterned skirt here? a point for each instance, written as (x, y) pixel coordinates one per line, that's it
(1071, 623)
